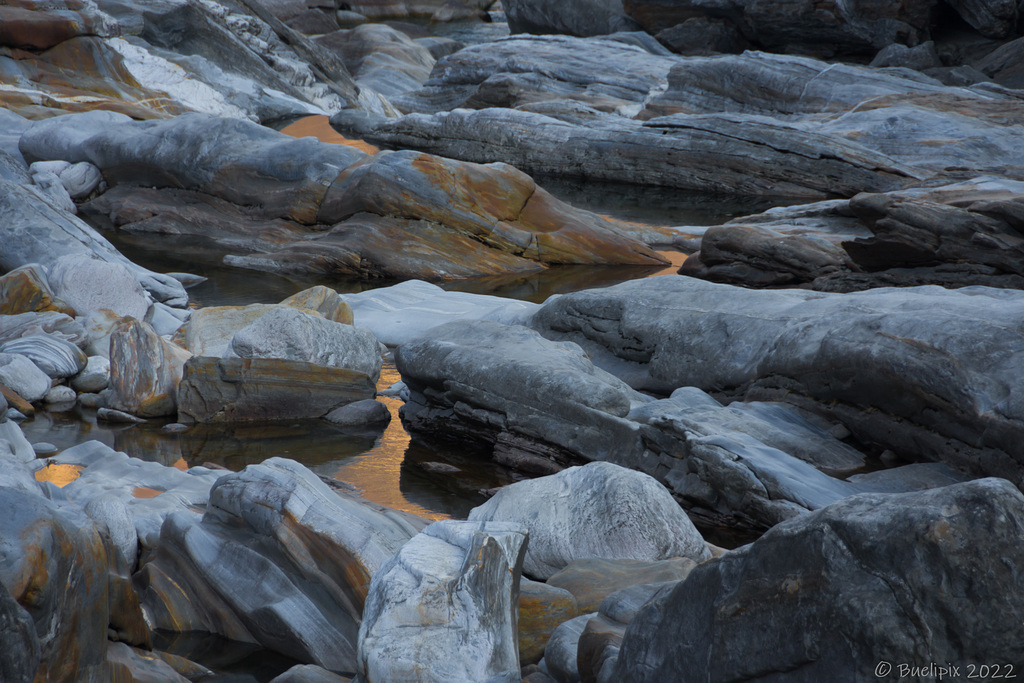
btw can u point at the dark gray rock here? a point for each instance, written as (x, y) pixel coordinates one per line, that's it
(360, 413)
(597, 511)
(19, 644)
(992, 18)
(591, 18)
(870, 563)
(703, 36)
(381, 58)
(926, 372)
(1005, 65)
(560, 655)
(309, 673)
(444, 607)
(919, 58)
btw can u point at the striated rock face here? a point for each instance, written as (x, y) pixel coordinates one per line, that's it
(444, 607)
(878, 361)
(256, 389)
(600, 510)
(56, 357)
(279, 559)
(145, 370)
(53, 563)
(870, 563)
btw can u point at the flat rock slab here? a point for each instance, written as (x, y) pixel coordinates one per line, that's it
(255, 389)
(594, 579)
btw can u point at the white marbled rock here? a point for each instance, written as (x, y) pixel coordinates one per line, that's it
(598, 510)
(51, 354)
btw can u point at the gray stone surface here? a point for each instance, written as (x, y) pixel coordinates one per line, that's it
(19, 644)
(308, 673)
(58, 358)
(145, 370)
(21, 375)
(94, 377)
(597, 511)
(870, 563)
(443, 609)
(592, 18)
(381, 58)
(291, 334)
(560, 655)
(359, 413)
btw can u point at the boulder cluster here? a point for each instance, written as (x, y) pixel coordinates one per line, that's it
(837, 381)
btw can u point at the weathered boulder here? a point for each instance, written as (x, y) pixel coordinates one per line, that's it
(290, 334)
(279, 559)
(542, 607)
(603, 73)
(769, 609)
(89, 284)
(19, 644)
(591, 580)
(444, 607)
(401, 312)
(538, 405)
(56, 357)
(597, 511)
(23, 377)
(53, 563)
(323, 301)
(592, 18)
(26, 290)
(360, 414)
(35, 232)
(256, 389)
(46, 322)
(381, 58)
(94, 377)
(926, 372)
(145, 370)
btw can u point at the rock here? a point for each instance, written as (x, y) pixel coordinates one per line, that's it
(401, 312)
(35, 232)
(89, 284)
(858, 357)
(94, 377)
(116, 416)
(597, 511)
(453, 10)
(1003, 64)
(560, 655)
(605, 74)
(53, 563)
(381, 58)
(444, 607)
(350, 19)
(164, 320)
(56, 357)
(359, 413)
(592, 580)
(542, 607)
(919, 57)
(383, 9)
(243, 389)
(210, 330)
(13, 443)
(80, 179)
(439, 46)
(60, 394)
(22, 376)
(19, 408)
(778, 157)
(702, 36)
(322, 301)
(19, 643)
(308, 673)
(145, 370)
(52, 191)
(865, 558)
(39, 30)
(26, 290)
(128, 663)
(537, 406)
(992, 18)
(98, 326)
(110, 511)
(593, 18)
(312, 549)
(290, 334)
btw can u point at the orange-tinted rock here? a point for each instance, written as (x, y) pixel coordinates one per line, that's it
(257, 389)
(14, 400)
(592, 580)
(541, 609)
(25, 290)
(145, 370)
(323, 301)
(35, 30)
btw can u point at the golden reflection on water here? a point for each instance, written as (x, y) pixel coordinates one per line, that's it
(675, 258)
(319, 127)
(58, 474)
(145, 492)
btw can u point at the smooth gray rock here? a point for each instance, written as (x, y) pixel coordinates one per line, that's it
(591, 18)
(992, 18)
(145, 370)
(359, 413)
(600, 510)
(606, 74)
(870, 562)
(702, 36)
(1004, 64)
(13, 443)
(926, 372)
(443, 609)
(737, 153)
(918, 58)
(56, 357)
(21, 375)
(539, 406)
(53, 192)
(12, 125)
(19, 643)
(94, 377)
(41, 322)
(561, 651)
(309, 673)
(381, 58)
(127, 661)
(35, 232)
(111, 510)
(60, 394)
(292, 334)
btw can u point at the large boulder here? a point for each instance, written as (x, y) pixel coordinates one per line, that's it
(926, 372)
(88, 284)
(869, 565)
(597, 511)
(145, 370)
(443, 609)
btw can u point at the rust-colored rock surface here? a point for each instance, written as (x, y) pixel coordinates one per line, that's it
(144, 370)
(25, 290)
(541, 609)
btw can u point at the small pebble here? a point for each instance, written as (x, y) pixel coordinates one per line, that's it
(16, 415)
(44, 448)
(110, 415)
(174, 427)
